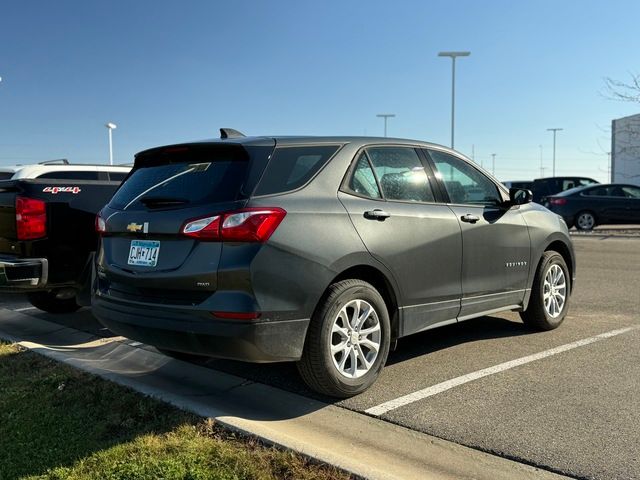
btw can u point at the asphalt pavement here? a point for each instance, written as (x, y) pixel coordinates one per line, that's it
(574, 412)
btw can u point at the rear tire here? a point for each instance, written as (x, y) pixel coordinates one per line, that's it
(49, 302)
(585, 221)
(549, 300)
(348, 340)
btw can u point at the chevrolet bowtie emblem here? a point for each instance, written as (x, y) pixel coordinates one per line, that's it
(134, 227)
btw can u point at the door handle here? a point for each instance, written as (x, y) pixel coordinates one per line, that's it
(470, 218)
(376, 214)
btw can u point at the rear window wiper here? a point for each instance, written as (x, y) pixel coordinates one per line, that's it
(155, 202)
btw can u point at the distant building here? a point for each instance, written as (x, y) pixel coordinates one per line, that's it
(625, 150)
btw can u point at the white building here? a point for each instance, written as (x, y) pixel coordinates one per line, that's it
(625, 150)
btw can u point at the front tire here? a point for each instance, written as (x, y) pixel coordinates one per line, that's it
(348, 340)
(585, 221)
(549, 300)
(51, 303)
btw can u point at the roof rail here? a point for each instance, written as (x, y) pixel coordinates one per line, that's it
(230, 133)
(59, 161)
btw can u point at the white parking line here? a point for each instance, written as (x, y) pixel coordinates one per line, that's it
(455, 382)
(24, 309)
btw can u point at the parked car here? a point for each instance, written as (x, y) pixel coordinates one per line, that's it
(522, 184)
(62, 169)
(47, 235)
(320, 250)
(544, 187)
(586, 207)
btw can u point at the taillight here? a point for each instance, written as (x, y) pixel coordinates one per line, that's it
(247, 225)
(31, 218)
(207, 228)
(557, 201)
(101, 225)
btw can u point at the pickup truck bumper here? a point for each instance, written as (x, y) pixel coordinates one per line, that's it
(22, 274)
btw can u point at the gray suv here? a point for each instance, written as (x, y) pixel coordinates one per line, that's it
(320, 250)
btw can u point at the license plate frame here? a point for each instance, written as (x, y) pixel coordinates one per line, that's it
(143, 253)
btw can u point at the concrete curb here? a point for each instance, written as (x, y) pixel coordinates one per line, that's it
(364, 446)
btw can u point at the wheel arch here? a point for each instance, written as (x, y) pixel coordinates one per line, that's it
(381, 283)
(563, 249)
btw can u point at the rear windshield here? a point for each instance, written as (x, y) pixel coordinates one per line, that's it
(292, 167)
(187, 176)
(6, 175)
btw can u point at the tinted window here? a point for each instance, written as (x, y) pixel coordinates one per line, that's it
(363, 181)
(463, 183)
(607, 191)
(401, 174)
(192, 177)
(596, 192)
(70, 175)
(292, 167)
(5, 175)
(585, 181)
(631, 192)
(117, 176)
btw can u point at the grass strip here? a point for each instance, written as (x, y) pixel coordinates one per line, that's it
(57, 422)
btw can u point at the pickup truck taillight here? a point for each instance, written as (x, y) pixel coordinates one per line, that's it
(101, 225)
(247, 225)
(31, 218)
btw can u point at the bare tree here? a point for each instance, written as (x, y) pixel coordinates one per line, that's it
(623, 91)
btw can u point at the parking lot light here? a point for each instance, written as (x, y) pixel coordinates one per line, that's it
(110, 126)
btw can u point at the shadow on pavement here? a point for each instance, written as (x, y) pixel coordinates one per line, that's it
(430, 341)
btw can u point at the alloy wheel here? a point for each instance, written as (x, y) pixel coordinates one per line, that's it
(356, 337)
(586, 221)
(554, 291)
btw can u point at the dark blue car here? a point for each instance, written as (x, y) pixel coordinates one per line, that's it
(586, 207)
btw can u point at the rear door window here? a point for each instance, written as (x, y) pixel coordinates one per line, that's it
(401, 174)
(292, 167)
(6, 175)
(184, 176)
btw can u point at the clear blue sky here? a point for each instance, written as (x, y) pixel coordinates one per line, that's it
(176, 71)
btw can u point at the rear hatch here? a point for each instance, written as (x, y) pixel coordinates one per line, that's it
(145, 254)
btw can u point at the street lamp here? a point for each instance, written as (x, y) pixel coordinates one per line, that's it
(453, 56)
(493, 164)
(554, 130)
(385, 116)
(111, 126)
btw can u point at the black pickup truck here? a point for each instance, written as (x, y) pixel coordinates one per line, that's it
(47, 237)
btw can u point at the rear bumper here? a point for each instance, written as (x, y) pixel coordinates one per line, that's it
(23, 274)
(194, 331)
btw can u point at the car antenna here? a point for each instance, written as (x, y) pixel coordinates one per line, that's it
(230, 133)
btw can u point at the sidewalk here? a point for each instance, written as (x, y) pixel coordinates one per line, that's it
(365, 446)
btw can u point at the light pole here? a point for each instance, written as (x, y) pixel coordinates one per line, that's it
(493, 164)
(554, 130)
(110, 126)
(541, 164)
(453, 56)
(385, 116)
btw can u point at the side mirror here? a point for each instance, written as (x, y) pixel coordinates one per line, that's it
(520, 196)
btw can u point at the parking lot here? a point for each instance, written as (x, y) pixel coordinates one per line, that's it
(565, 400)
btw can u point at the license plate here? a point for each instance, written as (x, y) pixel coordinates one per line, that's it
(144, 253)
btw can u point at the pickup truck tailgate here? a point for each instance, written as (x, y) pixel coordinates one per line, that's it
(8, 192)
